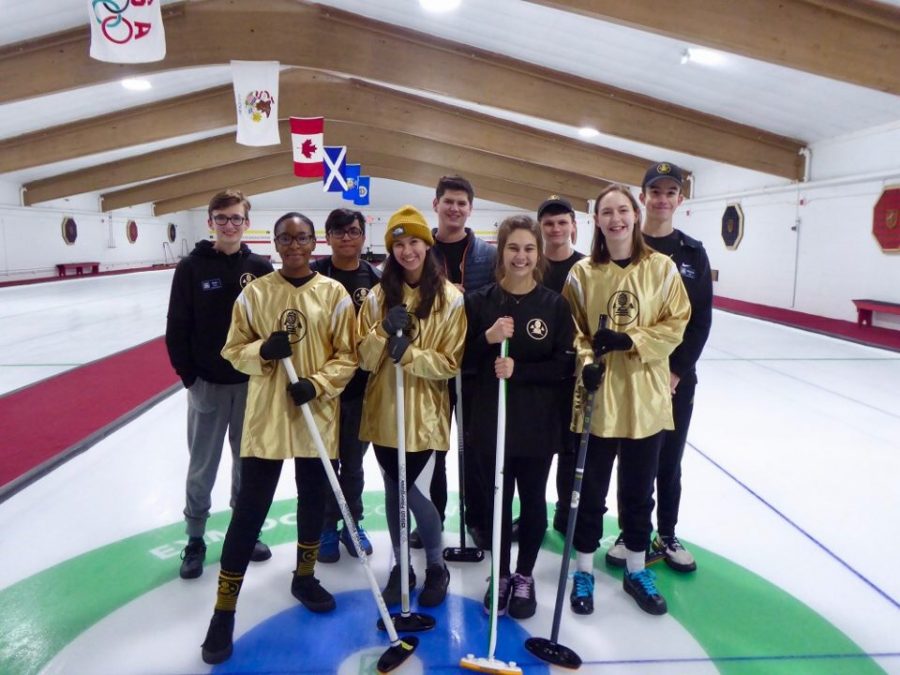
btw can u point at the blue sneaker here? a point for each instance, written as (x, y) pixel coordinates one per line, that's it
(582, 596)
(363, 539)
(329, 550)
(642, 587)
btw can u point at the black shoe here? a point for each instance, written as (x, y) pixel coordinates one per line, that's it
(391, 592)
(582, 596)
(514, 530)
(260, 552)
(642, 587)
(217, 646)
(522, 603)
(503, 590)
(192, 558)
(434, 590)
(311, 594)
(415, 539)
(480, 538)
(561, 520)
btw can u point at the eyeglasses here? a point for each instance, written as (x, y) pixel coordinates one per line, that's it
(350, 233)
(285, 239)
(222, 219)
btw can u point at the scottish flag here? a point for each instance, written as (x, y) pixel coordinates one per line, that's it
(335, 164)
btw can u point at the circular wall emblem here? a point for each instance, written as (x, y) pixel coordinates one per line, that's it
(537, 329)
(131, 231)
(293, 321)
(171, 232)
(886, 222)
(623, 308)
(69, 230)
(246, 278)
(732, 226)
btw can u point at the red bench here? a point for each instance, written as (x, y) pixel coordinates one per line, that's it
(864, 309)
(63, 269)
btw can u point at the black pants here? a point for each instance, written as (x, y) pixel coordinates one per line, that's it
(351, 451)
(529, 476)
(565, 473)
(668, 478)
(259, 478)
(638, 463)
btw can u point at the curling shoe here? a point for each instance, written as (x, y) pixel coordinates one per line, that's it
(391, 592)
(615, 556)
(434, 590)
(192, 558)
(642, 587)
(676, 556)
(311, 594)
(329, 546)
(218, 645)
(347, 540)
(582, 596)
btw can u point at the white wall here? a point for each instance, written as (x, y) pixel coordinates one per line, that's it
(832, 256)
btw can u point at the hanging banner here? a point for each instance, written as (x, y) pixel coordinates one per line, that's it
(127, 31)
(307, 137)
(256, 100)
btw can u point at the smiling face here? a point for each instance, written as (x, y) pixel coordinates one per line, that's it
(453, 209)
(661, 199)
(228, 233)
(294, 242)
(520, 256)
(347, 241)
(409, 252)
(616, 218)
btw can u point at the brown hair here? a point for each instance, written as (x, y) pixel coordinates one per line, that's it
(431, 285)
(454, 183)
(226, 198)
(507, 227)
(599, 250)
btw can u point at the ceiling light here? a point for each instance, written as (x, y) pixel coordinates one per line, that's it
(705, 57)
(136, 84)
(588, 132)
(439, 5)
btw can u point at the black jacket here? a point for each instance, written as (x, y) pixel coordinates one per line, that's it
(204, 288)
(693, 264)
(542, 348)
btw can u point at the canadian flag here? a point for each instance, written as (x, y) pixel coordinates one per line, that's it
(307, 138)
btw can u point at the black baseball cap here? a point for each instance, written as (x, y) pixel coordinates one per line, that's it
(555, 200)
(663, 170)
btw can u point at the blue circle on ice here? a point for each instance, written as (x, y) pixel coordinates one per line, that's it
(300, 641)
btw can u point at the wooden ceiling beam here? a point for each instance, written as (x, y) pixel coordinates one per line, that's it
(540, 182)
(304, 93)
(329, 39)
(848, 41)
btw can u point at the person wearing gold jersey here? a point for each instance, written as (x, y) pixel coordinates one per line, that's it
(309, 318)
(413, 297)
(642, 295)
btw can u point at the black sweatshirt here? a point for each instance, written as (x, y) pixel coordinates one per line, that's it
(204, 288)
(542, 349)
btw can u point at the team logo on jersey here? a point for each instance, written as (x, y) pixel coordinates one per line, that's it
(211, 284)
(537, 329)
(413, 327)
(687, 270)
(623, 308)
(293, 321)
(359, 296)
(246, 278)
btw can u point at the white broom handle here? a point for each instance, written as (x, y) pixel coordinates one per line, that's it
(498, 502)
(342, 503)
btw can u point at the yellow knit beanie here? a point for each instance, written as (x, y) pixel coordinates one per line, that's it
(408, 221)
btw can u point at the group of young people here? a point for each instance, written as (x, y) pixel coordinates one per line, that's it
(444, 303)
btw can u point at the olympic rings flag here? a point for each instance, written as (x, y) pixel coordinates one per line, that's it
(256, 100)
(126, 31)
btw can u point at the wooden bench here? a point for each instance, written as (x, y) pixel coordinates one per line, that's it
(78, 268)
(864, 309)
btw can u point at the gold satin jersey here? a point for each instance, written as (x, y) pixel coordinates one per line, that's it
(646, 300)
(321, 321)
(434, 356)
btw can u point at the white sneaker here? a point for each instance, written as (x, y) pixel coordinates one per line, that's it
(676, 556)
(615, 556)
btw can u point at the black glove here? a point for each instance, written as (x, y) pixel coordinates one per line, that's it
(302, 391)
(397, 346)
(591, 375)
(396, 319)
(606, 340)
(277, 346)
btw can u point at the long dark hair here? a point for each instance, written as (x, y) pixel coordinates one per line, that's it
(599, 250)
(431, 285)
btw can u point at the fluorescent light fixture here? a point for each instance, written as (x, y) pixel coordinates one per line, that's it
(136, 84)
(439, 5)
(702, 56)
(588, 132)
